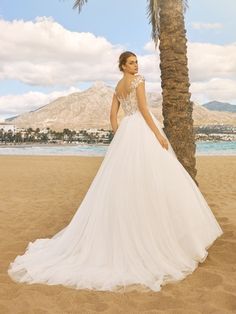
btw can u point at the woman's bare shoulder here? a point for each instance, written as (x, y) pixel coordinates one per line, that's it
(117, 85)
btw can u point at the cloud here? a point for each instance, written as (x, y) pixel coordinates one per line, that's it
(212, 70)
(207, 61)
(42, 52)
(215, 89)
(199, 25)
(15, 104)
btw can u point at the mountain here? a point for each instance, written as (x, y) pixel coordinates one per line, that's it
(10, 119)
(220, 106)
(91, 109)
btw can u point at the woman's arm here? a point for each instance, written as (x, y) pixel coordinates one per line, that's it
(113, 113)
(142, 104)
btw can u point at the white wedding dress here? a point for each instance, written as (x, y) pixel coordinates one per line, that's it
(143, 220)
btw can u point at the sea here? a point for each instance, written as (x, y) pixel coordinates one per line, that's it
(211, 148)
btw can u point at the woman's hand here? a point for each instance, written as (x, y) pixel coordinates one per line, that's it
(163, 141)
(114, 130)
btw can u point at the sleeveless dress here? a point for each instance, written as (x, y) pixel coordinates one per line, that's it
(142, 223)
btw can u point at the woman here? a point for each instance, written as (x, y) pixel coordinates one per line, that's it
(143, 220)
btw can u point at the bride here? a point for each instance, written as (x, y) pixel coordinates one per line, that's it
(143, 221)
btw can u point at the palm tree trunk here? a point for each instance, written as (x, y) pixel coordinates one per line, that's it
(177, 107)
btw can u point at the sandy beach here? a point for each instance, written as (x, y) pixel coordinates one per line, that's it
(40, 194)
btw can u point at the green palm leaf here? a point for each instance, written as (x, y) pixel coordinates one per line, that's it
(153, 10)
(79, 4)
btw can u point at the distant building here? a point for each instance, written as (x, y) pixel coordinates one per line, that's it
(91, 130)
(44, 131)
(7, 126)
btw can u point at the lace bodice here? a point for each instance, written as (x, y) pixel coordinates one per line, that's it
(129, 103)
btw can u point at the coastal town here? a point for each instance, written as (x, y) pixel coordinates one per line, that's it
(12, 135)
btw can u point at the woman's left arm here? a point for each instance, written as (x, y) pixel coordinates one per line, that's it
(113, 113)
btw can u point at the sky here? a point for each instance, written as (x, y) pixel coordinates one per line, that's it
(49, 50)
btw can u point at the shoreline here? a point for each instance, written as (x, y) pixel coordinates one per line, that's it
(85, 144)
(49, 145)
(205, 148)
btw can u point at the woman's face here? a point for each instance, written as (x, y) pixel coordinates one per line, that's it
(131, 65)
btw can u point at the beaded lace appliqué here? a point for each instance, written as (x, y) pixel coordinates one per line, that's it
(129, 103)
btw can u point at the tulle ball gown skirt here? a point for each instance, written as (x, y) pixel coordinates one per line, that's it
(143, 221)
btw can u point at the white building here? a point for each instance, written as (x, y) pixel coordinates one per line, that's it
(7, 126)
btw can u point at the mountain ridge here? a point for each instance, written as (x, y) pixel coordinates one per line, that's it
(220, 106)
(90, 108)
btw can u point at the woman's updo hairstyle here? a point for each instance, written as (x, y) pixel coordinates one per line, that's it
(123, 58)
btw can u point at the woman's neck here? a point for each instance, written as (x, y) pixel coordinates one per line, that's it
(128, 76)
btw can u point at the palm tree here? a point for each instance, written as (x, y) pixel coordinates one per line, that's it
(167, 20)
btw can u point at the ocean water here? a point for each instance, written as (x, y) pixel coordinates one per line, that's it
(60, 150)
(216, 148)
(203, 148)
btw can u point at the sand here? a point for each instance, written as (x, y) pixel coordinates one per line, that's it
(40, 194)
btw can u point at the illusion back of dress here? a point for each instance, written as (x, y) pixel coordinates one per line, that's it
(129, 103)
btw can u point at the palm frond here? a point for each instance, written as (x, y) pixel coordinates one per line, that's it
(185, 5)
(79, 4)
(153, 9)
(153, 12)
